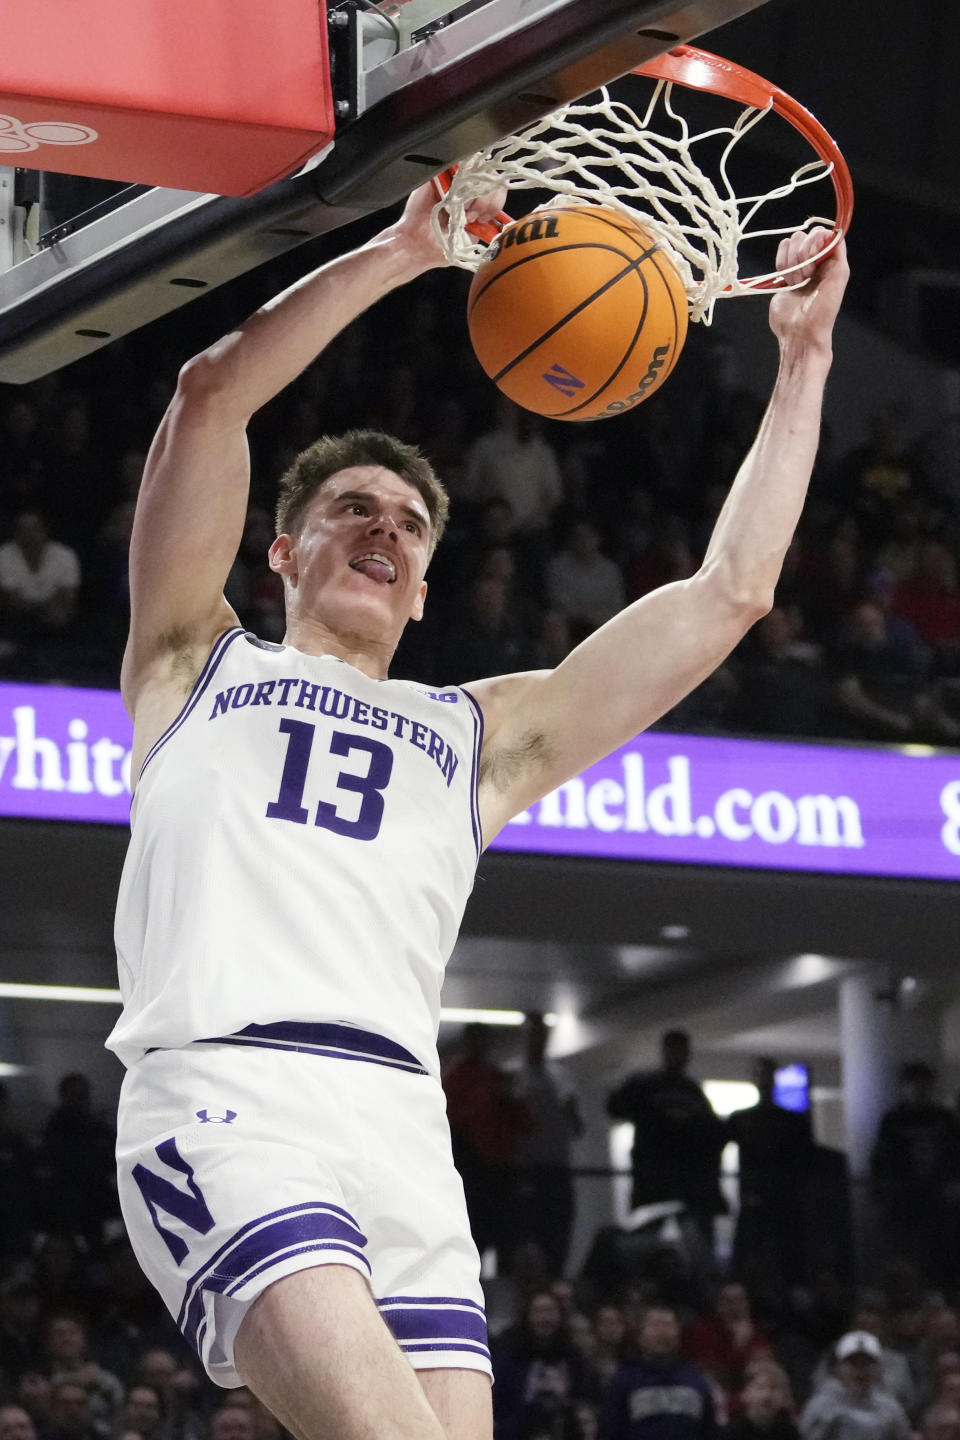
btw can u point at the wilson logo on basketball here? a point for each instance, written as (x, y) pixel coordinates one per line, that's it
(653, 370)
(17, 136)
(542, 227)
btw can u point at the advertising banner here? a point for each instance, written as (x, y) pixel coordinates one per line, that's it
(686, 799)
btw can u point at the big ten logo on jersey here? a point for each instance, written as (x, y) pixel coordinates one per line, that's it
(450, 697)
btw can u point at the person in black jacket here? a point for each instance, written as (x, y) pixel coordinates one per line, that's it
(677, 1138)
(915, 1167)
(775, 1156)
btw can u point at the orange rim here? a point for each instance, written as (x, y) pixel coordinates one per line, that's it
(700, 70)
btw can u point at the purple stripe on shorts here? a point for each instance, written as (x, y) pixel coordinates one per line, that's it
(419, 1349)
(440, 1325)
(283, 1255)
(307, 1037)
(430, 1300)
(263, 1242)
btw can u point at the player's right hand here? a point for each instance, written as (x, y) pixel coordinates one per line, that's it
(415, 230)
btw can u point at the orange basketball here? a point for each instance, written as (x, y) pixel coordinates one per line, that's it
(577, 312)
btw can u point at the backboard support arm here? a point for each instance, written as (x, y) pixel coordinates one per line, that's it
(501, 66)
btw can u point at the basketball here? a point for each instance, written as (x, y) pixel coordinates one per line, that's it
(577, 312)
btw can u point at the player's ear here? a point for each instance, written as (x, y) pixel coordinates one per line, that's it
(417, 612)
(280, 555)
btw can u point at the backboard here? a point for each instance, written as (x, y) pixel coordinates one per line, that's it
(416, 86)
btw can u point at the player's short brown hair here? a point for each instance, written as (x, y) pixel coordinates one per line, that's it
(330, 454)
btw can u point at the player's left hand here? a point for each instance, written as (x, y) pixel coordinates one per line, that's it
(806, 315)
(416, 229)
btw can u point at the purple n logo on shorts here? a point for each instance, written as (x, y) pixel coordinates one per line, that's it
(160, 1194)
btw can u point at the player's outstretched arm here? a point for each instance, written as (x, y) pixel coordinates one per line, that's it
(542, 728)
(193, 499)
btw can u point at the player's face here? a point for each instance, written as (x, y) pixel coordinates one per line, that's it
(360, 554)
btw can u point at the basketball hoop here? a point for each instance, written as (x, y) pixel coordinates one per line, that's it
(644, 157)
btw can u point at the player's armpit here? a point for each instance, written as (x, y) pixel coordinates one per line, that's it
(544, 727)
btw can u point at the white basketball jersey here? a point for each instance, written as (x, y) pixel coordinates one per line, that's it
(304, 842)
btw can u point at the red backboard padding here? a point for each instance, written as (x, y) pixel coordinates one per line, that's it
(223, 96)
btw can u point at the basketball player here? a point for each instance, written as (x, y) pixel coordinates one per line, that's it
(304, 838)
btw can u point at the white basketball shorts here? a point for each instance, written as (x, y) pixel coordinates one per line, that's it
(244, 1158)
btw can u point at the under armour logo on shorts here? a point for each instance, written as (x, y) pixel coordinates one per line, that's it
(227, 1118)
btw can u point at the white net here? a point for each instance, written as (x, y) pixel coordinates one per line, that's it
(651, 165)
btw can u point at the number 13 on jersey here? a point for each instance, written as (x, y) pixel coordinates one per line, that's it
(369, 786)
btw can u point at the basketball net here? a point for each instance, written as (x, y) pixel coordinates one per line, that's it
(645, 163)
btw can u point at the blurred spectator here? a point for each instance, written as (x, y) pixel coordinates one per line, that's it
(16, 1184)
(877, 479)
(765, 1410)
(33, 1391)
(67, 1355)
(543, 1196)
(141, 1411)
(668, 556)
(941, 1422)
(78, 1163)
(896, 1374)
(828, 583)
(938, 1359)
(780, 685)
(581, 582)
(232, 1422)
(609, 1342)
(852, 1405)
(20, 1345)
(79, 471)
(929, 600)
(16, 1424)
(912, 657)
(552, 641)
(914, 1163)
(39, 583)
(513, 461)
(538, 1372)
(723, 1341)
(658, 1396)
(677, 1138)
(71, 1413)
(877, 698)
(485, 636)
(486, 1122)
(179, 1387)
(775, 1153)
(20, 438)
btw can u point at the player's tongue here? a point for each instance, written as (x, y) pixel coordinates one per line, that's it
(375, 567)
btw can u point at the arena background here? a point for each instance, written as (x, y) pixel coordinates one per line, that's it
(846, 974)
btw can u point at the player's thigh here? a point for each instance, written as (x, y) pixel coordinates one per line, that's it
(462, 1402)
(315, 1350)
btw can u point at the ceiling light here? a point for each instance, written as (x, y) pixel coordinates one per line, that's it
(456, 1016)
(9, 990)
(91, 995)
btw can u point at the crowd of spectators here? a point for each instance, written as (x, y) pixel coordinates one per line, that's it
(553, 526)
(664, 1344)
